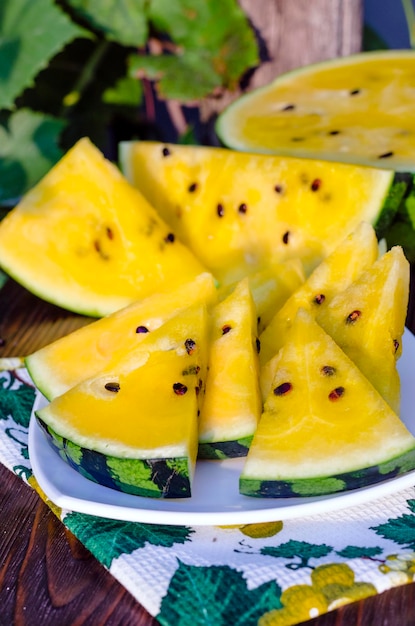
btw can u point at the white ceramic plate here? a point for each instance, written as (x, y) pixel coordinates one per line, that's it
(217, 499)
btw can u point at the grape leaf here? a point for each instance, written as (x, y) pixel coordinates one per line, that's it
(215, 595)
(123, 21)
(126, 92)
(401, 529)
(210, 47)
(303, 550)
(23, 56)
(108, 539)
(16, 403)
(28, 149)
(173, 75)
(359, 552)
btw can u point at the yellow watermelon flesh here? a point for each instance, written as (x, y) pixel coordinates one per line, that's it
(356, 109)
(324, 428)
(85, 239)
(367, 321)
(85, 352)
(270, 288)
(134, 426)
(238, 212)
(232, 402)
(354, 254)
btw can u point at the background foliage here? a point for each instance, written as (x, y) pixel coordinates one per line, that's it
(70, 68)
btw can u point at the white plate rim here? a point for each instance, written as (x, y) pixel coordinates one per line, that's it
(67, 489)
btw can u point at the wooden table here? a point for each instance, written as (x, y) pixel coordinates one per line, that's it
(46, 576)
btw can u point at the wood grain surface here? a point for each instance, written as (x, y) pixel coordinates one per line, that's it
(47, 577)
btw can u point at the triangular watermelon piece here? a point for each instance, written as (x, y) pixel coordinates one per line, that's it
(86, 240)
(232, 403)
(367, 321)
(325, 429)
(134, 426)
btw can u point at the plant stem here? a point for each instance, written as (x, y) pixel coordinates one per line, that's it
(85, 77)
(409, 11)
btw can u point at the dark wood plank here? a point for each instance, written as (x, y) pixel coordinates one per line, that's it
(46, 576)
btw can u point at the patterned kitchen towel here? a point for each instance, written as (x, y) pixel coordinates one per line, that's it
(270, 574)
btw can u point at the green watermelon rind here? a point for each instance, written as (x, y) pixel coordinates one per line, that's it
(401, 185)
(224, 449)
(328, 485)
(154, 477)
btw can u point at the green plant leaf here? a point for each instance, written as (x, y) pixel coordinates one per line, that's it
(108, 539)
(123, 21)
(172, 75)
(28, 149)
(213, 45)
(31, 33)
(126, 92)
(215, 595)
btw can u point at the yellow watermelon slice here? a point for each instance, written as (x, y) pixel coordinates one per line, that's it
(134, 426)
(62, 364)
(325, 428)
(238, 212)
(85, 239)
(367, 321)
(356, 109)
(232, 402)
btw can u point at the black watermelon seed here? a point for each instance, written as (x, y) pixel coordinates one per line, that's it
(114, 387)
(226, 328)
(354, 92)
(110, 233)
(353, 317)
(336, 394)
(220, 210)
(319, 298)
(192, 370)
(283, 389)
(315, 185)
(385, 155)
(288, 107)
(166, 152)
(258, 345)
(169, 238)
(192, 187)
(286, 237)
(328, 370)
(141, 329)
(278, 188)
(190, 346)
(333, 132)
(179, 389)
(242, 208)
(396, 345)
